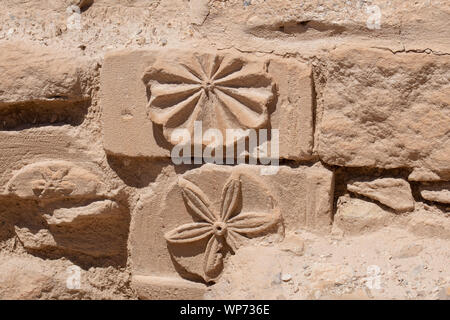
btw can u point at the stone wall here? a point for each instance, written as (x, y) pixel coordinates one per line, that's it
(92, 205)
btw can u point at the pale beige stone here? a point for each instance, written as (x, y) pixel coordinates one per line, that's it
(182, 220)
(408, 251)
(21, 148)
(167, 288)
(294, 244)
(385, 110)
(32, 72)
(439, 192)
(355, 216)
(293, 116)
(161, 91)
(394, 193)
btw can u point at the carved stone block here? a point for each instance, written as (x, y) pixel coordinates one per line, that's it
(189, 224)
(147, 95)
(386, 110)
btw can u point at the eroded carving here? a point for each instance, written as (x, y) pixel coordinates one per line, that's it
(70, 211)
(223, 92)
(229, 225)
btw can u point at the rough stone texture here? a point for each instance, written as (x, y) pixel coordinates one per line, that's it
(32, 72)
(394, 193)
(161, 91)
(436, 192)
(167, 288)
(386, 110)
(184, 231)
(355, 216)
(430, 225)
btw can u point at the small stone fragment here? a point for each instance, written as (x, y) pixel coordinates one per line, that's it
(394, 193)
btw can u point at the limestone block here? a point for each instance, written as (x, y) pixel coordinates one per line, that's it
(147, 95)
(394, 193)
(386, 110)
(194, 221)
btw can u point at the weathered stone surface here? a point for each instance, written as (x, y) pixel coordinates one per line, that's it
(394, 193)
(32, 72)
(74, 215)
(439, 192)
(423, 174)
(206, 214)
(386, 110)
(21, 148)
(159, 92)
(55, 180)
(355, 216)
(167, 288)
(24, 279)
(429, 225)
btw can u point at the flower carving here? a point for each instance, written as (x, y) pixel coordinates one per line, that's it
(227, 226)
(52, 182)
(222, 92)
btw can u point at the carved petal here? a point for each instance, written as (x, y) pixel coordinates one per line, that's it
(252, 223)
(230, 196)
(233, 240)
(196, 200)
(162, 116)
(213, 263)
(243, 113)
(165, 95)
(190, 232)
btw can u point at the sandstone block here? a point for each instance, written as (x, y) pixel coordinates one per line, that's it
(148, 95)
(439, 192)
(355, 216)
(394, 193)
(386, 110)
(194, 221)
(429, 225)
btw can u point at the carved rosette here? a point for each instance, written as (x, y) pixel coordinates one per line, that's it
(227, 227)
(221, 91)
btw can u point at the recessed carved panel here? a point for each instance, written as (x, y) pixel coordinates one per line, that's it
(190, 224)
